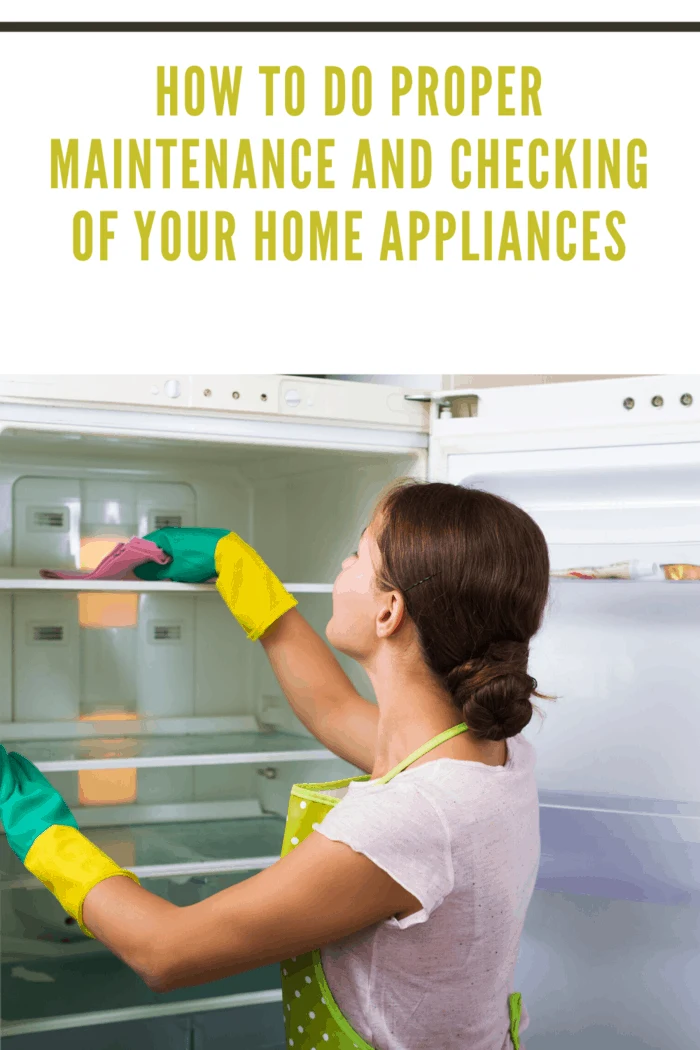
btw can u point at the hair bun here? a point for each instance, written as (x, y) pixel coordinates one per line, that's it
(495, 690)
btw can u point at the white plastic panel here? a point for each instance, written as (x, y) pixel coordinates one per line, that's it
(108, 509)
(46, 657)
(165, 786)
(326, 511)
(109, 666)
(160, 506)
(5, 657)
(46, 522)
(131, 509)
(165, 656)
(218, 783)
(222, 659)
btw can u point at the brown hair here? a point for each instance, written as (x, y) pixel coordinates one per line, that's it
(474, 572)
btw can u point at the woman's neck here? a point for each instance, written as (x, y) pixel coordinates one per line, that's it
(414, 708)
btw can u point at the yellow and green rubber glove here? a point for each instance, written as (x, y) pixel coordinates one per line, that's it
(250, 589)
(44, 834)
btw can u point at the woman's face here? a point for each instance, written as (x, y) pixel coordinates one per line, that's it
(357, 603)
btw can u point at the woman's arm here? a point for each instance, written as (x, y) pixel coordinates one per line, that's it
(317, 894)
(319, 692)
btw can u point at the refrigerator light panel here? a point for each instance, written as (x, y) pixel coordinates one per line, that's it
(104, 610)
(107, 787)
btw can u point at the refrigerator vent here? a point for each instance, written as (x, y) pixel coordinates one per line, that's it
(167, 632)
(50, 519)
(47, 633)
(167, 521)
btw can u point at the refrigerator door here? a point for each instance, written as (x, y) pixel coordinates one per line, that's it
(611, 472)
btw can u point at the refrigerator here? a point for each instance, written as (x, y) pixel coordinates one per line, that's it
(169, 737)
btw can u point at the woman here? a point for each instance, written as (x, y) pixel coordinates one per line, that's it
(414, 881)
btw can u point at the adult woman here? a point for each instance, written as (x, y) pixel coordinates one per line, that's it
(417, 884)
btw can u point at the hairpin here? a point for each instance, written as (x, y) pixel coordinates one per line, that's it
(420, 581)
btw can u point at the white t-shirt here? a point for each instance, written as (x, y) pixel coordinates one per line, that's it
(463, 838)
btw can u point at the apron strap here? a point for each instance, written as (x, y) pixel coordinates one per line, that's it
(435, 742)
(515, 1005)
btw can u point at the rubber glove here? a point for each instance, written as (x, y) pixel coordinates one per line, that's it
(192, 552)
(250, 589)
(44, 834)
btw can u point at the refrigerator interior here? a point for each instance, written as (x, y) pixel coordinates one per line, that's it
(146, 706)
(609, 955)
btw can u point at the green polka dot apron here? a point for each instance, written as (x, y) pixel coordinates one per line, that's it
(313, 1020)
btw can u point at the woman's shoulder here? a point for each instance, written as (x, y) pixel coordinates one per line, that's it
(431, 783)
(520, 761)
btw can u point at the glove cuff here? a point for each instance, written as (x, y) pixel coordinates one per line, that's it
(250, 589)
(69, 865)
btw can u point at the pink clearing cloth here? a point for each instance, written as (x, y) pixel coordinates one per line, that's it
(118, 564)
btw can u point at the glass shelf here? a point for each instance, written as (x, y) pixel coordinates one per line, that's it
(142, 752)
(25, 579)
(158, 850)
(61, 979)
(54, 988)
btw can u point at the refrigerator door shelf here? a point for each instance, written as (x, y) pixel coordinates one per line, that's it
(632, 849)
(638, 583)
(619, 601)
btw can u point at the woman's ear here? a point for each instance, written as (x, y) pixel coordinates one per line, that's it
(391, 614)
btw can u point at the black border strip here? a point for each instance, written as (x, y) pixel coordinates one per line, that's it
(349, 27)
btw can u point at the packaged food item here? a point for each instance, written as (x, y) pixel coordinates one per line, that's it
(621, 570)
(681, 572)
(632, 570)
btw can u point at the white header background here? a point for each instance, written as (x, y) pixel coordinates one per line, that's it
(632, 316)
(370, 10)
